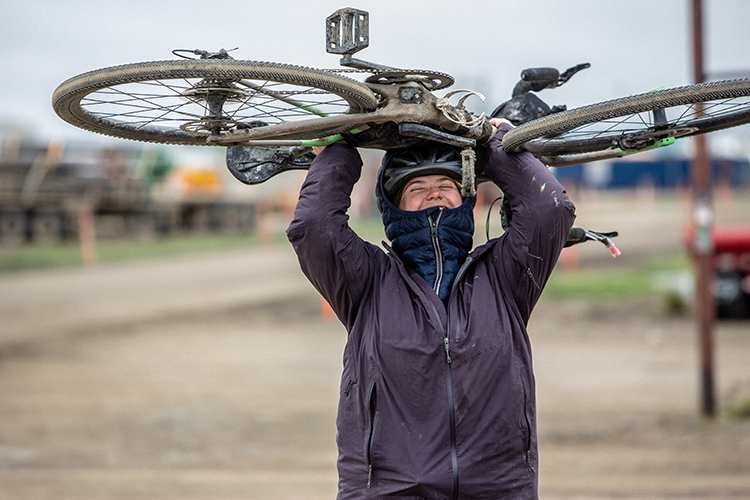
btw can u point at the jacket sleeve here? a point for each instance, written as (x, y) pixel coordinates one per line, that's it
(542, 215)
(337, 262)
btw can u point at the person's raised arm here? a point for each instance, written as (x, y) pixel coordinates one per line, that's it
(542, 214)
(335, 260)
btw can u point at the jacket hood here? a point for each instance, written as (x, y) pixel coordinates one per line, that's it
(434, 241)
(386, 204)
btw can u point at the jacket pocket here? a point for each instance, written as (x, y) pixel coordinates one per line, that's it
(371, 434)
(348, 387)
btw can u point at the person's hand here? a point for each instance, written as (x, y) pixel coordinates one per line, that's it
(499, 121)
(318, 149)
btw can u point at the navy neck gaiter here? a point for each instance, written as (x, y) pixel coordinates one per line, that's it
(434, 242)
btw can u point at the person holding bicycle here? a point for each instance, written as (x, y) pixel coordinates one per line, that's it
(437, 396)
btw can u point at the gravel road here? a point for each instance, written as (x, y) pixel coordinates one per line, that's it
(216, 376)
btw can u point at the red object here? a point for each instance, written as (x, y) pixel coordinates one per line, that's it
(735, 239)
(731, 246)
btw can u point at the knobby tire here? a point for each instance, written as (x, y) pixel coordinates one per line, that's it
(547, 135)
(68, 97)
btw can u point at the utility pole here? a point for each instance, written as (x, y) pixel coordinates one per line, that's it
(703, 243)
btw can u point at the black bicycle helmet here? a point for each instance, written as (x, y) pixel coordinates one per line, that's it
(400, 166)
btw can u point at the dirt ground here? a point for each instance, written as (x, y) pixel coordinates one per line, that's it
(216, 376)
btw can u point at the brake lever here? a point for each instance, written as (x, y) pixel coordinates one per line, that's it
(568, 73)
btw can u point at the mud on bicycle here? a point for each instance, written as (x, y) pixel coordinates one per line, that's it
(270, 115)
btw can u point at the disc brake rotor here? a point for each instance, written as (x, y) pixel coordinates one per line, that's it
(639, 140)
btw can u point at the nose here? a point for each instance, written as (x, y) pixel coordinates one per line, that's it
(434, 193)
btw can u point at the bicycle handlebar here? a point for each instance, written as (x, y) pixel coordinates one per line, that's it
(536, 79)
(578, 235)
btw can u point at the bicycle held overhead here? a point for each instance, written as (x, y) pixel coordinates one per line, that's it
(207, 98)
(271, 115)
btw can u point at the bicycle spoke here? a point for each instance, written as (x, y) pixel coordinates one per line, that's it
(172, 103)
(136, 107)
(196, 102)
(659, 119)
(141, 101)
(640, 122)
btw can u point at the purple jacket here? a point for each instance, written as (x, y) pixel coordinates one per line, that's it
(435, 402)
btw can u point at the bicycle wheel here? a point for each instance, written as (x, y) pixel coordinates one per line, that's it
(185, 102)
(632, 123)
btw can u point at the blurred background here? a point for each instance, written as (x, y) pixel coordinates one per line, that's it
(157, 339)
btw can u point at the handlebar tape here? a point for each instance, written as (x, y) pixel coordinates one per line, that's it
(536, 79)
(542, 77)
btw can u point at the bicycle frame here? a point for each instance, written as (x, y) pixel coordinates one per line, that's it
(411, 106)
(255, 105)
(213, 102)
(407, 103)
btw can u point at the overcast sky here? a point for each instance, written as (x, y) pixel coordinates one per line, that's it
(632, 45)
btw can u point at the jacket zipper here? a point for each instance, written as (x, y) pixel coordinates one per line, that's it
(436, 248)
(451, 409)
(451, 419)
(373, 413)
(528, 427)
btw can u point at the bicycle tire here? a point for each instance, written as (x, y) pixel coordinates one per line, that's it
(167, 101)
(623, 122)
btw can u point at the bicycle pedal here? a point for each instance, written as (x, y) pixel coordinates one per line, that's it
(347, 31)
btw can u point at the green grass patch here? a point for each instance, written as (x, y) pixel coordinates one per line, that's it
(28, 257)
(369, 229)
(611, 284)
(671, 262)
(68, 254)
(599, 285)
(590, 284)
(738, 410)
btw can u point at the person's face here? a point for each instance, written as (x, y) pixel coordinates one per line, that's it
(430, 191)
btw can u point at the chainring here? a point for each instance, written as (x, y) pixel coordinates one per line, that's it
(432, 80)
